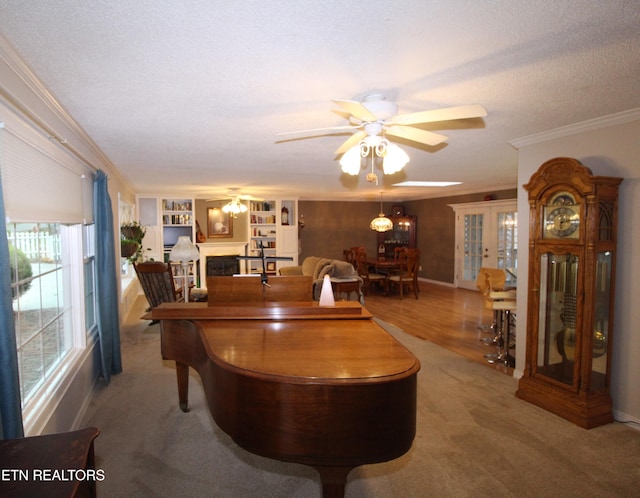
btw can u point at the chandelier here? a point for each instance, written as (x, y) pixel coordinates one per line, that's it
(234, 207)
(374, 146)
(381, 223)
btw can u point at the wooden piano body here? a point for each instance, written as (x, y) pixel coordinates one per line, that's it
(293, 381)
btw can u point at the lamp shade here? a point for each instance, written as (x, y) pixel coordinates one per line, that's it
(351, 161)
(184, 250)
(394, 159)
(381, 223)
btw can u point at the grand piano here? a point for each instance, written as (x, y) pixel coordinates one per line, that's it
(297, 382)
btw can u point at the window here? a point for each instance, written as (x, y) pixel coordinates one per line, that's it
(41, 300)
(89, 261)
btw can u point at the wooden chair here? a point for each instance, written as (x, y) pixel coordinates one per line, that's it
(399, 253)
(351, 255)
(157, 283)
(368, 277)
(407, 277)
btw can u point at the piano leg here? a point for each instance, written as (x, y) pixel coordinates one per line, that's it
(333, 480)
(182, 372)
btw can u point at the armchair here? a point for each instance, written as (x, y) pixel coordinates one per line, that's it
(317, 267)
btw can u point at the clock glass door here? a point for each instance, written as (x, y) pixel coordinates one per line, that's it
(556, 344)
(599, 366)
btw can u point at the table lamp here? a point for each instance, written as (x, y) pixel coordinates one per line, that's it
(184, 251)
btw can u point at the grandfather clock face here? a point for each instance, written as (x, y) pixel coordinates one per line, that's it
(561, 217)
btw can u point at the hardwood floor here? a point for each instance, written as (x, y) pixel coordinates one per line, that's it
(446, 316)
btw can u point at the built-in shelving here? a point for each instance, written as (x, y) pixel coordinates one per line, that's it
(166, 219)
(272, 227)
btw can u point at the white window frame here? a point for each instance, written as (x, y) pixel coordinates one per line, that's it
(37, 410)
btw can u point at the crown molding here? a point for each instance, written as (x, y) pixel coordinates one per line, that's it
(23, 91)
(574, 129)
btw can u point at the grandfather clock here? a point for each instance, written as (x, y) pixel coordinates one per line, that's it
(572, 260)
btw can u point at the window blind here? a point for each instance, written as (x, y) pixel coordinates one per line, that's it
(41, 180)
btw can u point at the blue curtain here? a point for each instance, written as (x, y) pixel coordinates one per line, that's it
(10, 409)
(106, 283)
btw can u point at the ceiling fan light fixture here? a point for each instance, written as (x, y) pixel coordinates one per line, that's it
(234, 207)
(351, 161)
(394, 159)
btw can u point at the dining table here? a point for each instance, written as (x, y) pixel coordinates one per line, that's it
(386, 265)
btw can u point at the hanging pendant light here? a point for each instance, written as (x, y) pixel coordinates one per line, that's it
(381, 223)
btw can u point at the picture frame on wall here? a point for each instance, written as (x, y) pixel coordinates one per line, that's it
(219, 224)
(271, 266)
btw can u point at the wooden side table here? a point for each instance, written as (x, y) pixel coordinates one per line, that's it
(60, 465)
(345, 285)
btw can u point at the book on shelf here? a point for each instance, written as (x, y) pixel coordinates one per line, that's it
(262, 206)
(177, 205)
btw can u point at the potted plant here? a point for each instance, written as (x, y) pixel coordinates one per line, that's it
(131, 235)
(133, 231)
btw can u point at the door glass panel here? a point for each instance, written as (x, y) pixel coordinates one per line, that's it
(472, 261)
(507, 249)
(557, 317)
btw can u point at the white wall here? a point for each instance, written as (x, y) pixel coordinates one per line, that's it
(609, 147)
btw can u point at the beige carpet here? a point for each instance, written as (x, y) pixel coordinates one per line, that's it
(474, 438)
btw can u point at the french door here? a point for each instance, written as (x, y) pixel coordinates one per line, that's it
(486, 236)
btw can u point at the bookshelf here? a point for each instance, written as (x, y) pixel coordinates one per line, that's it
(272, 226)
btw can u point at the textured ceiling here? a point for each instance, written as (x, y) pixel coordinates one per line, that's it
(188, 95)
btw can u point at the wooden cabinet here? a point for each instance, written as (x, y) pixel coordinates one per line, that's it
(572, 261)
(403, 233)
(273, 228)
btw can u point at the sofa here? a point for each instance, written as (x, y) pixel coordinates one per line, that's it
(317, 267)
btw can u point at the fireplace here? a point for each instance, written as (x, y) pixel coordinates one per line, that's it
(225, 265)
(227, 249)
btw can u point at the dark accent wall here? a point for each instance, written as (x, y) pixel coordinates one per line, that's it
(331, 227)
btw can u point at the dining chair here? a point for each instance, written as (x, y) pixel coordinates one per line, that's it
(351, 255)
(369, 277)
(407, 276)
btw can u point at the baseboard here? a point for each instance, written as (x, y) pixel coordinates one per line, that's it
(435, 282)
(627, 419)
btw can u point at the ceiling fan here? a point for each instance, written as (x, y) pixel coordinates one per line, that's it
(234, 194)
(377, 118)
(234, 206)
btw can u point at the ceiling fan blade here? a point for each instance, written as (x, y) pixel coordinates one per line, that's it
(416, 135)
(357, 110)
(313, 130)
(351, 141)
(445, 114)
